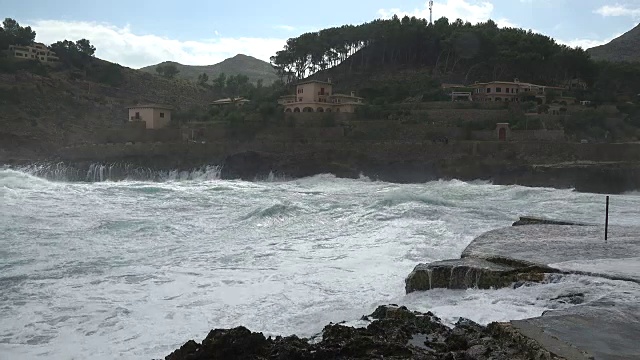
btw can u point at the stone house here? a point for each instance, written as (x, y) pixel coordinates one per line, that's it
(318, 96)
(36, 51)
(511, 91)
(155, 116)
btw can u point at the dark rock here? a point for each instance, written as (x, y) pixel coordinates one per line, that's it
(247, 165)
(574, 299)
(397, 333)
(476, 351)
(527, 220)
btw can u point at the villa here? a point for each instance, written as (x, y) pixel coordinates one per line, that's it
(511, 91)
(36, 51)
(155, 116)
(318, 96)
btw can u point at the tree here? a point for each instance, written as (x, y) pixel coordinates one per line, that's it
(220, 82)
(203, 79)
(169, 70)
(13, 34)
(85, 47)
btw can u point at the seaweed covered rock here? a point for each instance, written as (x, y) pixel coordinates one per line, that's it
(394, 333)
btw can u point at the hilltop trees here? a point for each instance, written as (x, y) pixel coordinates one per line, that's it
(77, 54)
(11, 33)
(169, 70)
(477, 52)
(85, 47)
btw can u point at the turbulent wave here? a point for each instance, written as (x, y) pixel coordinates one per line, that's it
(115, 172)
(131, 269)
(14, 179)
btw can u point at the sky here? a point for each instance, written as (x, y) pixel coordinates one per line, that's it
(137, 33)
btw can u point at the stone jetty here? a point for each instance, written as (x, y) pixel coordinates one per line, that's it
(534, 250)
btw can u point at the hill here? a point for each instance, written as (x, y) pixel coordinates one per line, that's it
(623, 48)
(254, 68)
(46, 107)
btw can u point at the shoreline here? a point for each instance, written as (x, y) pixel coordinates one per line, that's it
(588, 177)
(594, 168)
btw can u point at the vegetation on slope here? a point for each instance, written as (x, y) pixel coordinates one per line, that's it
(251, 67)
(623, 48)
(481, 52)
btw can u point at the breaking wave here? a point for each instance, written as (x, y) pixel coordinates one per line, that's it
(98, 172)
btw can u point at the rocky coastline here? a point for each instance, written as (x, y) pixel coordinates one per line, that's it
(397, 163)
(533, 250)
(392, 333)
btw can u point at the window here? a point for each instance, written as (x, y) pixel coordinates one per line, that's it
(137, 115)
(321, 91)
(161, 115)
(498, 90)
(300, 99)
(488, 90)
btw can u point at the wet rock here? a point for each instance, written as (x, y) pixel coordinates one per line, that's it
(247, 165)
(476, 351)
(396, 333)
(527, 220)
(472, 273)
(574, 299)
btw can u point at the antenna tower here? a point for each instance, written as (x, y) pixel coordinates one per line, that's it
(431, 12)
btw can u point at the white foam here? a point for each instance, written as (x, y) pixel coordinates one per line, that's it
(134, 269)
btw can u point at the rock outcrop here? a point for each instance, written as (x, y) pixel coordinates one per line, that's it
(528, 220)
(473, 273)
(394, 333)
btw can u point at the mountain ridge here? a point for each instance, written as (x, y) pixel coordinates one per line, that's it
(250, 66)
(626, 47)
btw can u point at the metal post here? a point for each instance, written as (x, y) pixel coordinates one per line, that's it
(606, 222)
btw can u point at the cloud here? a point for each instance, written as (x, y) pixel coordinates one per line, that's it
(586, 43)
(468, 10)
(123, 46)
(284, 27)
(618, 10)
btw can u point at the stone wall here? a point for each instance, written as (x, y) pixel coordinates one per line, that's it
(135, 135)
(196, 154)
(316, 119)
(310, 134)
(520, 135)
(393, 130)
(451, 117)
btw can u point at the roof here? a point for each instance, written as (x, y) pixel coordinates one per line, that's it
(314, 81)
(155, 106)
(515, 83)
(228, 100)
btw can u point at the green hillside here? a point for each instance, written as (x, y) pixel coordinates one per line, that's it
(249, 66)
(623, 48)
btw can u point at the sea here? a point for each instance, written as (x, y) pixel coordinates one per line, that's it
(132, 269)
